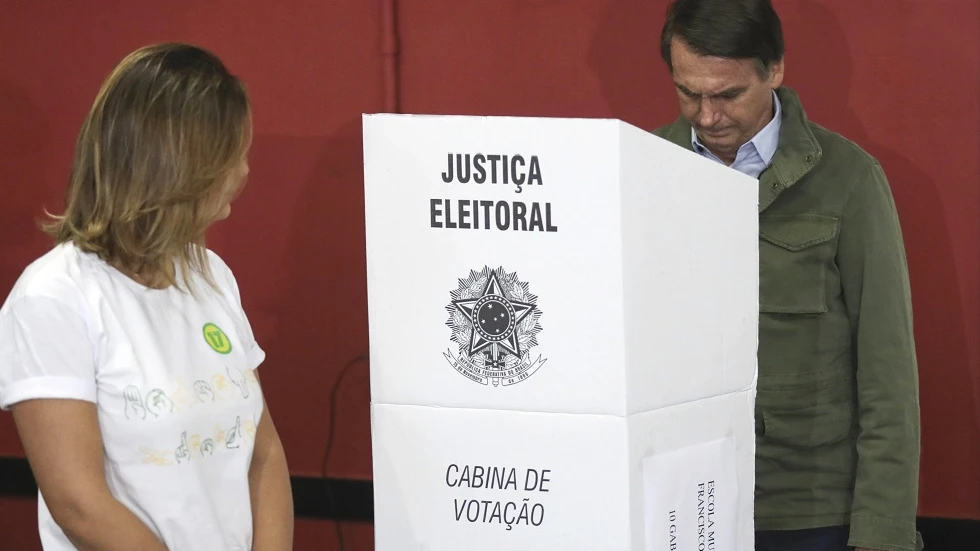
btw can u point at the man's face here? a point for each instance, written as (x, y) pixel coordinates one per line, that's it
(725, 100)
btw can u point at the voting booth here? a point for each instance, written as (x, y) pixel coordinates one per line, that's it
(563, 323)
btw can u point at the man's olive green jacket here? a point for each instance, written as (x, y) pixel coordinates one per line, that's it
(837, 414)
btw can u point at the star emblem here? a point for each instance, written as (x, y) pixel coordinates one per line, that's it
(494, 319)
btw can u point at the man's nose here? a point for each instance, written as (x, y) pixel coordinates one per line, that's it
(709, 114)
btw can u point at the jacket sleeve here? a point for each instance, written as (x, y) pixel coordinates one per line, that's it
(875, 281)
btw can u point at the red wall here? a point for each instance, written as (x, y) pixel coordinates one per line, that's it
(898, 77)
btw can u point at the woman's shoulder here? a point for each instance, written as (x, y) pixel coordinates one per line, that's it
(57, 274)
(222, 275)
(219, 269)
(215, 261)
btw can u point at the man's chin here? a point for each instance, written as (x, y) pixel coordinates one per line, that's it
(715, 138)
(715, 134)
(720, 138)
(721, 147)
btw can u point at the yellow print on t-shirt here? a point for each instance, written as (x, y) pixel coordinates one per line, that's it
(196, 446)
(160, 458)
(232, 385)
(182, 398)
(220, 383)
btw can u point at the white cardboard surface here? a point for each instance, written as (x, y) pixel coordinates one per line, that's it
(643, 295)
(594, 329)
(416, 449)
(431, 464)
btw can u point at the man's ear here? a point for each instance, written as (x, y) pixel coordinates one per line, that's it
(776, 72)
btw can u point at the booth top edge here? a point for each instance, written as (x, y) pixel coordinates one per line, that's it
(366, 116)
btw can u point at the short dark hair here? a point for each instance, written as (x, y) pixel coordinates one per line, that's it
(737, 29)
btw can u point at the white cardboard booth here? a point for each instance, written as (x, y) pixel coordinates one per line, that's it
(563, 326)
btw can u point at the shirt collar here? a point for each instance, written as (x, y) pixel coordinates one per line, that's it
(765, 142)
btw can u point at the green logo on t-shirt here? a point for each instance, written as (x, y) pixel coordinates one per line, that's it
(216, 338)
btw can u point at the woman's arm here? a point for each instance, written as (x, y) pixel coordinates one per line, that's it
(64, 449)
(272, 496)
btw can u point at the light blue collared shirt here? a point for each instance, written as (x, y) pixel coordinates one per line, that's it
(756, 154)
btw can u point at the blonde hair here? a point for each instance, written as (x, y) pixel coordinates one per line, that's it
(167, 128)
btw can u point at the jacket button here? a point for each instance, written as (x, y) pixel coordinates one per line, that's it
(775, 185)
(809, 158)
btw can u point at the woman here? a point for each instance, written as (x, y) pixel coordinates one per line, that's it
(125, 355)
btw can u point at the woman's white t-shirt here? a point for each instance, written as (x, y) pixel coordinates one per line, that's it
(171, 375)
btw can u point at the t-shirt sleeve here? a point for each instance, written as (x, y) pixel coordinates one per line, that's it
(45, 352)
(254, 353)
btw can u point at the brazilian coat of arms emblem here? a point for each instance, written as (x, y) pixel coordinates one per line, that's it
(494, 320)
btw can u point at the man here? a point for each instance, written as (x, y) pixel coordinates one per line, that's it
(837, 418)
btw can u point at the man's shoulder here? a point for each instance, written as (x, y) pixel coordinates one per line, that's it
(677, 131)
(662, 131)
(840, 150)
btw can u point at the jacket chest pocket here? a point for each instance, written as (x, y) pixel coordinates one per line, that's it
(796, 252)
